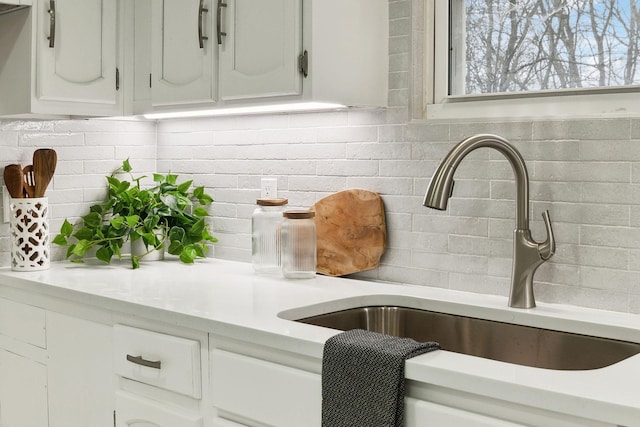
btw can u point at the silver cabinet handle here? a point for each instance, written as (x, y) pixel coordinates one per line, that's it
(221, 4)
(201, 11)
(139, 360)
(52, 23)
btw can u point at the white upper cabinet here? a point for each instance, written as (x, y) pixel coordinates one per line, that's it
(61, 57)
(183, 46)
(230, 53)
(259, 51)
(77, 52)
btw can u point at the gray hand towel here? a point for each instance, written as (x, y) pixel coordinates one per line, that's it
(363, 378)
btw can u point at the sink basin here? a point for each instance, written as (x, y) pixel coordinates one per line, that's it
(522, 345)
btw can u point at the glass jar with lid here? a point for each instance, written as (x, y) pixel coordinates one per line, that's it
(265, 235)
(299, 245)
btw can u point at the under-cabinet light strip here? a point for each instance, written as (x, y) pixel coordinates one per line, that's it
(260, 109)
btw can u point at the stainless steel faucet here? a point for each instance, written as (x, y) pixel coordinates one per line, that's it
(527, 253)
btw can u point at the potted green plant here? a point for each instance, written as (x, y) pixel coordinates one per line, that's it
(164, 215)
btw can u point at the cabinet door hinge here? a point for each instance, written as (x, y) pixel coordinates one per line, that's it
(117, 79)
(303, 63)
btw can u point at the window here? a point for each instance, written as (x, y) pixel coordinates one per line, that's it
(515, 58)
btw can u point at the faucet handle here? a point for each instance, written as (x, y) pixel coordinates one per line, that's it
(548, 247)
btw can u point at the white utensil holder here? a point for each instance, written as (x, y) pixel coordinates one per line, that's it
(29, 224)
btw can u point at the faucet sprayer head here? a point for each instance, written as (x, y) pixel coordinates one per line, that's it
(439, 192)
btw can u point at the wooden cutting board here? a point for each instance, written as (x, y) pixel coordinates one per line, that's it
(351, 232)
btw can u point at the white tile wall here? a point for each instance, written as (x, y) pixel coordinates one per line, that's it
(586, 172)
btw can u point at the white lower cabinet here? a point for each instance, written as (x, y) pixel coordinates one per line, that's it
(86, 368)
(80, 372)
(23, 391)
(23, 372)
(135, 411)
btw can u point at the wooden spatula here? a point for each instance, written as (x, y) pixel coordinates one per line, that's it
(29, 181)
(13, 180)
(44, 166)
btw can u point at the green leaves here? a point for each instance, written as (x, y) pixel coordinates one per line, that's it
(203, 198)
(126, 166)
(168, 212)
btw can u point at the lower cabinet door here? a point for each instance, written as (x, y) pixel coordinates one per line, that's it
(23, 391)
(265, 393)
(135, 411)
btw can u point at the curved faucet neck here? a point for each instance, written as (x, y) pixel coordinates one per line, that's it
(444, 174)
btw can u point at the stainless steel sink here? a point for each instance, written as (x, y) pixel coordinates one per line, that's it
(522, 345)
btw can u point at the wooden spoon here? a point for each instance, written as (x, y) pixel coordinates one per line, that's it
(44, 165)
(13, 180)
(29, 181)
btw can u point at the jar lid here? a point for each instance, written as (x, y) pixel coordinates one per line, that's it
(298, 214)
(272, 202)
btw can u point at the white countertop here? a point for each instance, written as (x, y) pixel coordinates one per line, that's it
(228, 299)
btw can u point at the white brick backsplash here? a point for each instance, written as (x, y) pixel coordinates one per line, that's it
(271, 152)
(482, 208)
(499, 267)
(601, 278)
(408, 168)
(386, 185)
(601, 129)
(581, 171)
(378, 151)
(514, 131)
(555, 191)
(51, 139)
(615, 237)
(317, 183)
(347, 134)
(474, 188)
(550, 150)
(450, 262)
(317, 151)
(142, 152)
(409, 205)
(432, 242)
(348, 167)
(400, 221)
(598, 192)
(469, 245)
(451, 224)
(559, 274)
(585, 213)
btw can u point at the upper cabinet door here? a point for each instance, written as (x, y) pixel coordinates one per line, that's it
(77, 48)
(182, 52)
(259, 53)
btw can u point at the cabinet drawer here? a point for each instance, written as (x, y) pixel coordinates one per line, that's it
(419, 413)
(23, 322)
(265, 392)
(157, 359)
(136, 411)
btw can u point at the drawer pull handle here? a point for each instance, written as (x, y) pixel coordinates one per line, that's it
(139, 360)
